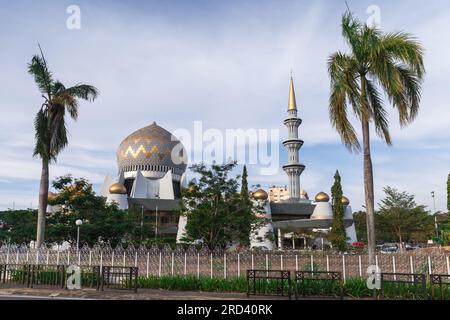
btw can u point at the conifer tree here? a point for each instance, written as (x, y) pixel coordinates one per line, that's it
(244, 187)
(337, 235)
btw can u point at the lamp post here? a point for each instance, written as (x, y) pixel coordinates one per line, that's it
(78, 223)
(434, 213)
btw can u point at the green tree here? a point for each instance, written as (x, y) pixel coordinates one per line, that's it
(244, 187)
(402, 219)
(448, 192)
(75, 199)
(337, 235)
(50, 124)
(17, 226)
(214, 209)
(378, 62)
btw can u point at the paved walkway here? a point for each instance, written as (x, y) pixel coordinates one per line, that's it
(142, 294)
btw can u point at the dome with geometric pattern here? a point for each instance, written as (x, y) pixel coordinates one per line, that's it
(154, 149)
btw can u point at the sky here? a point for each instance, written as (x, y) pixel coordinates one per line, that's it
(227, 64)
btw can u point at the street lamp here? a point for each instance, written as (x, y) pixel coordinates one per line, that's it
(79, 222)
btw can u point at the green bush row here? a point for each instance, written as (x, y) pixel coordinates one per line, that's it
(353, 287)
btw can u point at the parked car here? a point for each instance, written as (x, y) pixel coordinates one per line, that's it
(390, 248)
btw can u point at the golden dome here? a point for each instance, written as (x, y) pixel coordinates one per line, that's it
(51, 196)
(259, 194)
(322, 197)
(117, 188)
(345, 201)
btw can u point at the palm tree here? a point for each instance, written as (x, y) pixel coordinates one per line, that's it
(377, 62)
(50, 125)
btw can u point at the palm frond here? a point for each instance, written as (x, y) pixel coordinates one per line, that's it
(378, 113)
(343, 73)
(41, 135)
(82, 91)
(406, 49)
(42, 76)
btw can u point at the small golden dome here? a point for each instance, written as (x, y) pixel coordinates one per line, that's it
(51, 196)
(117, 188)
(322, 197)
(345, 201)
(259, 194)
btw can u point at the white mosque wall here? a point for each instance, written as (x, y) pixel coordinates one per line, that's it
(120, 199)
(139, 189)
(258, 238)
(107, 182)
(350, 231)
(183, 220)
(322, 210)
(166, 187)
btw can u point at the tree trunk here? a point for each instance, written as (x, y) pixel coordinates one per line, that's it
(368, 191)
(43, 199)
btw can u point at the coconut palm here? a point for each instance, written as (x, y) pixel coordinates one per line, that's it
(50, 124)
(377, 62)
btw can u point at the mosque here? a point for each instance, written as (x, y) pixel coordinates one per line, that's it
(152, 171)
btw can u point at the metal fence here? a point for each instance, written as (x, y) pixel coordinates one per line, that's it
(202, 262)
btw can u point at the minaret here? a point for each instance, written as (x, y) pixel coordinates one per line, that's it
(293, 168)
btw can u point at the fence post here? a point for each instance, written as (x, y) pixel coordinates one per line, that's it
(160, 261)
(198, 265)
(376, 261)
(7, 256)
(429, 265)
(90, 258)
(173, 261)
(267, 262)
(47, 258)
(328, 263)
(112, 259)
(27, 255)
(185, 263)
(296, 262)
(253, 263)
(57, 257)
(411, 263)
(393, 267)
(79, 257)
(17, 257)
(448, 265)
(124, 259)
(37, 256)
(343, 268)
(238, 266)
(312, 263)
(211, 265)
(360, 266)
(148, 261)
(135, 259)
(281, 262)
(224, 265)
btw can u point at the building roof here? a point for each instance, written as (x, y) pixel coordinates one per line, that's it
(292, 208)
(151, 148)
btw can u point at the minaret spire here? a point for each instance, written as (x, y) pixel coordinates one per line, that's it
(292, 104)
(293, 144)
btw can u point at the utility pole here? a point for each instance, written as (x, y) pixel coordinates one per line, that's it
(434, 212)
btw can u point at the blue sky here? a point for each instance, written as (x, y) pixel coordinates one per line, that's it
(226, 63)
